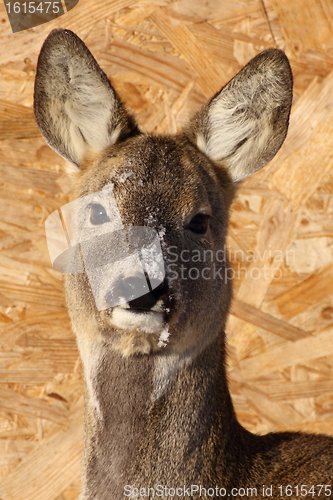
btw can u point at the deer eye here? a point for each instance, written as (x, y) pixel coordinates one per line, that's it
(98, 214)
(199, 224)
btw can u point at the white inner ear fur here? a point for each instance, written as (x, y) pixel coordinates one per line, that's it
(90, 111)
(227, 128)
(241, 126)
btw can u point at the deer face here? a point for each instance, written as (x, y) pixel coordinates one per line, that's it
(151, 215)
(158, 196)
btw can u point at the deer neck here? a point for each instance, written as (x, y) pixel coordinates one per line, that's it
(153, 420)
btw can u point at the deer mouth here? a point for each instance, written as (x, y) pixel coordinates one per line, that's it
(131, 319)
(148, 312)
(144, 314)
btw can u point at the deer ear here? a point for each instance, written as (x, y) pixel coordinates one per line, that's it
(76, 108)
(244, 125)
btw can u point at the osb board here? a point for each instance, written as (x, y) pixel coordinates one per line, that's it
(165, 59)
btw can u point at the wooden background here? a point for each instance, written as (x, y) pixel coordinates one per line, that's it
(166, 58)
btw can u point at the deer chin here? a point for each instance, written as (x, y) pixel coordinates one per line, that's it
(136, 332)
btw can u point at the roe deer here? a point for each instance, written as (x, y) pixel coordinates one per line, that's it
(159, 421)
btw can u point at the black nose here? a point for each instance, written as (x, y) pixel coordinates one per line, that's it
(133, 286)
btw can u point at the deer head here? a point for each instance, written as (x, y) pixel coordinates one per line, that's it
(141, 194)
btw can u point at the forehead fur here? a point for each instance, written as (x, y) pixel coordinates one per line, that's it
(166, 170)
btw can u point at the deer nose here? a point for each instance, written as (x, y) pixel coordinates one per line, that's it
(142, 293)
(134, 286)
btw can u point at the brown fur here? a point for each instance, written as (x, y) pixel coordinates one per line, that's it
(161, 413)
